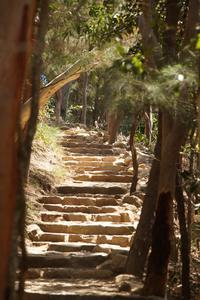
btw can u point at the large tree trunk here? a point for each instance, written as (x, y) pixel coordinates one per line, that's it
(185, 253)
(155, 283)
(71, 74)
(142, 238)
(15, 33)
(84, 78)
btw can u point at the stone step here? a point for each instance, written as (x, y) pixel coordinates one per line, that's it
(65, 273)
(30, 295)
(77, 136)
(82, 217)
(90, 158)
(82, 196)
(80, 208)
(100, 164)
(120, 240)
(80, 289)
(102, 228)
(113, 168)
(123, 241)
(67, 260)
(91, 189)
(87, 201)
(106, 178)
(85, 144)
(107, 172)
(81, 246)
(92, 151)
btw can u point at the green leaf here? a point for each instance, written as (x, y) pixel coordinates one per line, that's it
(198, 42)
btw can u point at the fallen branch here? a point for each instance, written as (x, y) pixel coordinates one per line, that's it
(71, 74)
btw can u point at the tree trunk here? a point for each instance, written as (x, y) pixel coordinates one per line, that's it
(185, 255)
(142, 238)
(148, 123)
(65, 101)
(134, 155)
(114, 120)
(59, 98)
(96, 102)
(15, 32)
(155, 283)
(84, 98)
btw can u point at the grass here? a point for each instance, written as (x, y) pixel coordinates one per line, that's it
(48, 135)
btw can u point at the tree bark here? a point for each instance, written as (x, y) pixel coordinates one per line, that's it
(71, 74)
(59, 98)
(142, 238)
(84, 78)
(172, 14)
(114, 120)
(193, 19)
(134, 155)
(148, 123)
(65, 101)
(185, 253)
(155, 283)
(15, 31)
(96, 102)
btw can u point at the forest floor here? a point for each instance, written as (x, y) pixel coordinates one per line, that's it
(56, 172)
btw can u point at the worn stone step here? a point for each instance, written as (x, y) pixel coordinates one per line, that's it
(67, 260)
(123, 241)
(79, 289)
(65, 273)
(90, 201)
(108, 172)
(106, 178)
(120, 240)
(78, 136)
(29, 295)
(81, 246)
(54, 199)
(91, 189)
(90, 158)
(113, 168)
(100, 164)
(92, 151)
(106, 228)
(82, 217)
(80, 208)
(85, 144)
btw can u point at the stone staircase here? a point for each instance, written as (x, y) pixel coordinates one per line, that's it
(83, 237)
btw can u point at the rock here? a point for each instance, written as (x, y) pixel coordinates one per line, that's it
(34, 232)
(116, 263)
(133, 200)
(125, 287)
(119, 145)
(125, 282)
(128, 160)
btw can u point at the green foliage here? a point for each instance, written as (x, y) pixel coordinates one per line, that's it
(198, 42)
(172, 85)
(108, 22)
(47, 134)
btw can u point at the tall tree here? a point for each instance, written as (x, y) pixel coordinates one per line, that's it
(15, 38)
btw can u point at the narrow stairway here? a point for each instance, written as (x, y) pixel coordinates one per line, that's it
(82, 240)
